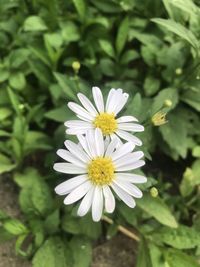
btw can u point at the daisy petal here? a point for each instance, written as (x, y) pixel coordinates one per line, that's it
(111, 147)
(122, 103)
(78, 193)
(131, 166)
(86, 203)
(131, 189)
(99, 142)
(87, 104)
(122, 150)
(109, 199)
(78, 124)
(129, 137)
(84, 144)
(114, 136)
(75, 131)
(133, 178)
(97, 205)
(76, 151)
(126, 198)
(80, 111)
(66, 155)
(69, 185)
(68, 168)
(98, 99)
(132, 127)
(90, 137)
(109, 102)
(126, 119)
(128, 159)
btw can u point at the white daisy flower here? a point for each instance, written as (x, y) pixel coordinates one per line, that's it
(102, 169)
(104, 116)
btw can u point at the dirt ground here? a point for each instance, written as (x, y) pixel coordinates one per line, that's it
(118, 252)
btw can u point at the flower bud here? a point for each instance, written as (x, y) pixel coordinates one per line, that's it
(159, 118)
(178, 71)
(154, 192)
(168, 103)
(76, 66)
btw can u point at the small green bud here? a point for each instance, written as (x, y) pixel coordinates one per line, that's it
(159, 118)
(76, 66)
(154, 192)
(178, 71)
(168, 103)
(21, 106)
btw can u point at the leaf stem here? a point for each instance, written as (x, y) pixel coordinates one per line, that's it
(122, 229)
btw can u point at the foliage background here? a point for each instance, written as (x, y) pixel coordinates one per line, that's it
(149, 48)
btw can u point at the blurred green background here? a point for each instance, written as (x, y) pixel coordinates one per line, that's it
(50, 51)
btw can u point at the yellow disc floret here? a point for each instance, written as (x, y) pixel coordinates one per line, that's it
(106, 122)
(101, 171)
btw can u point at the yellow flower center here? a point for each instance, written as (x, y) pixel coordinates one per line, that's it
(101, 170)
(106, 122)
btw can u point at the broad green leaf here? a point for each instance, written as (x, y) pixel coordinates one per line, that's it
(4, 75)
(70, 224)
(36, 141)
(52, 222)
(192, 98)
(151, 85)
(60, 114)
(14, 99)
(5, 235)
(6, 164)
(34, 23)
(80, 7)
(185, 5)
(17, 80)
(143, 257)
(15, 227)
(52, 253)
(176, 258)
(128, 56)
(183, 237)
(66, 85)
(122, 35)
(196, 152)
(4, 113)
(157, 208)
(179, 30)
(107, 48)
(157, 257)
(70, 32)
(82, 251)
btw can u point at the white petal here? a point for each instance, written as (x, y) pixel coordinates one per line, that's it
(97, 205)
(78, 124)
(122, 150)
(80, 111)
(131, 189)
(106, 142)
(69, 185)
(111, 147)
(87, 104)
(83, 118)
(125, 197)
(69, 168)
(110, 102)
(122, 103)
(86, 203)
(90, 137)
(129, 137)
(98, 99)
(109, 199)
(75, 131)
(131, 166)
(99, 142)
(128, 159)
(132, 127)
(126, 119)
(78, 193)
(84, 144)
(133, 178)
(120, 143)
(66, 155)
(76, 151)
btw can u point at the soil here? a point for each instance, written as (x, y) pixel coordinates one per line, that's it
(118, 252)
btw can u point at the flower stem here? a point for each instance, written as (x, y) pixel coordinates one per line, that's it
(122, 229)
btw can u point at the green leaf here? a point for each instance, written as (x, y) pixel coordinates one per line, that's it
(165, 94)
(122, 35)
(80, 7)
(179, 30)
(107, 48)
(66, 85)
(52, 253)
(143, 257)
(71, 224)
(192, 98)
(196, 152)
(14, 98)
(15, 227)
(70, 32)
(177, 258)
(17, 80)
(6, 165)
(5, 235)
(60, 114)
(156, 254)
(52, 222)
(34, 23)
(4, 113)
(82, 251)
(36, 141)
(183, 237)
(151, 85)
(156, 208)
